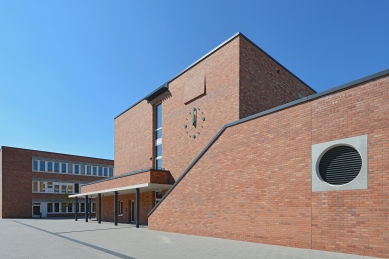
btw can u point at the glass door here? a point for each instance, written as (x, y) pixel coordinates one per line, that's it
(36, 210)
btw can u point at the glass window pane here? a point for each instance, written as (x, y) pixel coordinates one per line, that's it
(56, 187)
(94, 170)
(63, 207)
(158, 150)
(56, 207)
(63, 188)
(50, 166)
(158, 116)
(70, 207)
(105, 171)
(70, 188)
(82, 169)
(42, 186)
(34, 186)
(35, 165)
(82, 207)
(158, 163)
(111, 171)
(159, 134)
(42, 166)
(158, 195)
(56, 167)
(94, 207)
(70, 168)
(100, 171)
(76, 188)
(63, 167)
(77, 169)
(49, 207)
(49, 187)
(88, 170)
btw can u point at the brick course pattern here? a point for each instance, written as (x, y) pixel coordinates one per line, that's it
(17, 175)
(151, 176)
(147, 202)
(254, 182)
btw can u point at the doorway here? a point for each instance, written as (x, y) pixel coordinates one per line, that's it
(132, 211)
(36, 210)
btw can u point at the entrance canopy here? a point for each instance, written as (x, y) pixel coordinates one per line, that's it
(145, 187)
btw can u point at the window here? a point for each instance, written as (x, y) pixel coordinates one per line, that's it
(94, 170)
(56, 187)
(76, 188)
(63, 207)
(42, 187)
(121, 208)
(56, 167)
(100, 171)
(70, 207)
(82, 169)
(158, 197)
(49, 207)
(56, 207)
(77, 169)
(63, 188)
(42, 166)
(70, 188)
(63, 168)
(93, 207)
(70, 168)
(35, 186)
(110, 171)
(105, 171)
(88, 170)
(50, 166)
(82, 207)
(49, 187)
(158, 136)
(34, 165)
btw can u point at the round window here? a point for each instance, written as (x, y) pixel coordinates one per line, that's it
(340, 165)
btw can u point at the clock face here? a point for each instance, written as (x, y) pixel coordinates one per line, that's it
(194, 122)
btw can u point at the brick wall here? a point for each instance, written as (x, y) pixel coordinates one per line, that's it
(17, 178)
(254, 183)
(134, 139)
(147, 201)
(264, 83)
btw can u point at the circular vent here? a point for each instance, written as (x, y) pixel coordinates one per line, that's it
(340, 165)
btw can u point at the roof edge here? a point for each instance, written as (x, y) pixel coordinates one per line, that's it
(26, 149)
(261, 114)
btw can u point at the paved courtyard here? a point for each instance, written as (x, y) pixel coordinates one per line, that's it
(65, 238)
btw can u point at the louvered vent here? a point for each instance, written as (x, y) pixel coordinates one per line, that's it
(340, 165)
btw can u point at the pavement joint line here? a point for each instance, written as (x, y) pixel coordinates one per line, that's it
(80, 242)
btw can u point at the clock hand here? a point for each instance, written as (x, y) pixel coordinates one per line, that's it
(193, 117)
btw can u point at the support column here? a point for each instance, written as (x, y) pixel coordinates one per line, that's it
(137, 207)
(115, 209)
(86, 208)
(99, 215)
(90, 208)
(75, 210)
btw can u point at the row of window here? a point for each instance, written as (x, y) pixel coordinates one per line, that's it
(64, 207)
(158, 136)
(70, 168)
(55, 187)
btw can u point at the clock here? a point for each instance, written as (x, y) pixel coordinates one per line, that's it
(194, 122)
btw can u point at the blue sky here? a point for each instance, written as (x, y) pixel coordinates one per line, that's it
(67, 68)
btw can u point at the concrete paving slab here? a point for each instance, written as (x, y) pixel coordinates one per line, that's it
(66, 238)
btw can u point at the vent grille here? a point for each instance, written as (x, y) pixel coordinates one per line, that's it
(340, 165)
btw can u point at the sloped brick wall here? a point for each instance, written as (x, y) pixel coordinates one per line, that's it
(254, 182)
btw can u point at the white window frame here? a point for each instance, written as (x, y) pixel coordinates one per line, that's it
(121, 208)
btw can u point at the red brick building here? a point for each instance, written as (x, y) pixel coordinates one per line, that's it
(36, 183)
(238, 147)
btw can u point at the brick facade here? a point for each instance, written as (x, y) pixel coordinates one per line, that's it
(17, 177)
(254, 182)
